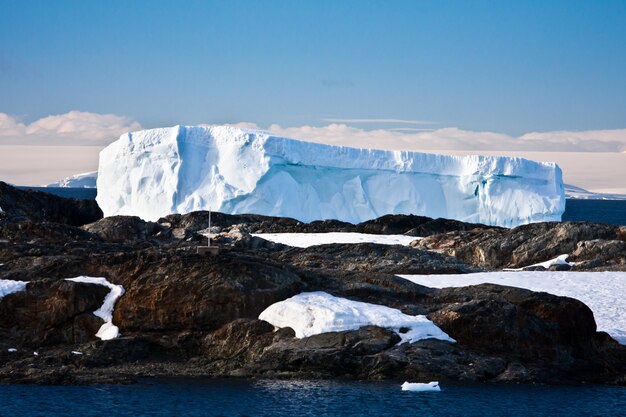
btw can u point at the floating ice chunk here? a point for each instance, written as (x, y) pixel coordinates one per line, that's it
(602, 292)
(108, 330)
(8, 286)
(559, 260)
(153, 173)
(420, 386)
(304, 240)
(312, 313)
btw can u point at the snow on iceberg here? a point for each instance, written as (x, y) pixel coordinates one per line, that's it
(152, 173)
(108, 330)
(312, 313)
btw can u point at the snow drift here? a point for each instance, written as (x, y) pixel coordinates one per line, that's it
(152, 173)
(311, 313)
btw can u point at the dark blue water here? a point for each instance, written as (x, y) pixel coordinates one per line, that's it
(604, 211)
(306, 398)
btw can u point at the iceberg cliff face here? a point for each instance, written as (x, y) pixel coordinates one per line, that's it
(156, 172)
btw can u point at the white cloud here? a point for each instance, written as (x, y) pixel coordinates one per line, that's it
(72, 128)
(377, 121)
(452, 138)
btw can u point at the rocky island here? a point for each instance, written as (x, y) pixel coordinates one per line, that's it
(182, 314)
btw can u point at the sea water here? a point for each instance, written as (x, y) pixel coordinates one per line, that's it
(224, 397)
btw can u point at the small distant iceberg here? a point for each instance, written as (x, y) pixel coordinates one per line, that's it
(578, 193)
(84, 180)
(421, 386)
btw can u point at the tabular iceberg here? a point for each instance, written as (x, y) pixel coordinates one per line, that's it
(152, 173)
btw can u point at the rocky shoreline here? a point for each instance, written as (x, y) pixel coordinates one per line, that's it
(183, 314)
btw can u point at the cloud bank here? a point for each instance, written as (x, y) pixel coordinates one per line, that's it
(453, 138)
(84, 128)
(72, 128)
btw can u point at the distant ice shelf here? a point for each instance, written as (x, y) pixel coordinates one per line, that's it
(84, 180)
(152, 173)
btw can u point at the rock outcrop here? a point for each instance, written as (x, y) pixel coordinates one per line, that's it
(592, 244)
(188, 315)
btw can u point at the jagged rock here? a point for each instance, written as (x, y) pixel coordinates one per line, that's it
(51, 312)
(606, 250)
(124, 229)
(518, 247)
(499, 319)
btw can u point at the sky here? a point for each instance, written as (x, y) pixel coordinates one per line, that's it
(508, 76)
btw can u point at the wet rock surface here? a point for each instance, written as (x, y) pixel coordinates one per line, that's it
(188, 315)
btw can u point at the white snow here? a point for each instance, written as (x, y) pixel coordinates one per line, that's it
(84, 180)
(312, 313)
(152, 173)
(108, 330)
(304, 240)
(603, 292)
(12, 350)
(559, 260)
(420, 386)
(8, 287)
(75, 352)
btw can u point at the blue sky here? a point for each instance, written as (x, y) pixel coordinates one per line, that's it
(508, 67)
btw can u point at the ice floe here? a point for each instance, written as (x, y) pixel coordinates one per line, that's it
(421, 386)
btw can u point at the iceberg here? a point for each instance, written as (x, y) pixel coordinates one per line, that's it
(152, 173)
(84, 180)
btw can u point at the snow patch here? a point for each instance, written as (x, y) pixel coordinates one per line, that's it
(9, 287)
(153, 173)
(108, 330)
(420, 386)
(11, 350)
(304, 240)
(602, 292)
(312, 313)
(559, 260)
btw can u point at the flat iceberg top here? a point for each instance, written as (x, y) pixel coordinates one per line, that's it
(156, 172)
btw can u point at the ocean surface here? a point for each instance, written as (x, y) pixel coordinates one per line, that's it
(219, 397)
(604, 211)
